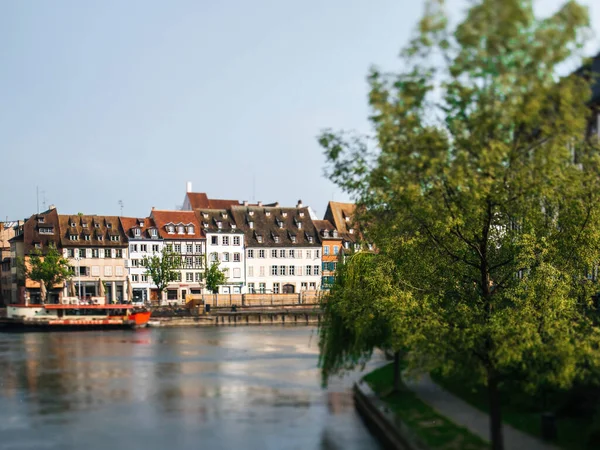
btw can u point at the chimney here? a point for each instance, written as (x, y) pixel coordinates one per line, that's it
(51, 207)
(299, 205)
(188, 186)
(153, 208)
(245, 202)
(259, 203)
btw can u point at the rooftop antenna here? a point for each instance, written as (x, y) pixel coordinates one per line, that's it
(37, 198)
(253, 188)
(44, 199)
(121, 206)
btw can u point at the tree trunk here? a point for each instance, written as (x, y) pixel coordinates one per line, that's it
(497, 439)
(397, 371)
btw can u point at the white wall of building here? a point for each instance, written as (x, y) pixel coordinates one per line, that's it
(138, 250)
(229, 248)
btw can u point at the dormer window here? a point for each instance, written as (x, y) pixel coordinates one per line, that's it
(191, 229)
(73, 237)
(205, 215)
(346, 244)
(205, 224)
(259, 239)
(276, 239)
(38, 245)
(96, 225)
(351, 231)
(280, 223)
(109, 225)
(251, 224)
(299, 225)
(180, 229)
(370, 246)
(335, 233)
(325, 233)
(100, 237)
(347, 218)
(233, 226)
(114, 238)
(153, 232)
(137, 232)
(170, 229)
(219, 224)
(284, 214)
(310, 239)
(72, 224)
(251, 213)
(293, 238)
(267, 213)
(301, 213)
(224, 215)
(84, 224)
(86, 237)
(141, 223)
(41, 219)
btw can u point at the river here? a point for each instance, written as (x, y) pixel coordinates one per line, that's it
(176, 388)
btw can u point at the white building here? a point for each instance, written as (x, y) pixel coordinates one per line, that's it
(224, 243)
(283, 251)
(182, 235)
(144, 241)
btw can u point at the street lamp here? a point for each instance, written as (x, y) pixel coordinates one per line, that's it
(78, 259)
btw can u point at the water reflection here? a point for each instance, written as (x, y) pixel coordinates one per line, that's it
(246, 387)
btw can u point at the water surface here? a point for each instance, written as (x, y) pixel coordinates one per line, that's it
(178, 388)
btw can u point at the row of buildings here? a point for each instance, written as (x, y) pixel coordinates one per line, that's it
(262, 248)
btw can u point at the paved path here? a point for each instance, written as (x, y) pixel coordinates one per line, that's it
(469, 417)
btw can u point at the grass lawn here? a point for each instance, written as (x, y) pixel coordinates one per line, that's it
(434, 430)
(522, 411)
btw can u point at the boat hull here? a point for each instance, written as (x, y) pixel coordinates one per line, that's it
(133, 321)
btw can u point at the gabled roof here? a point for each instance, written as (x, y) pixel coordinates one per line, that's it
(217, 221)
(42, 229)
(325, 229)
(276, 226)
(185, 218)
(100, 230)
(341, 216)
(199, 200)
(144, 224)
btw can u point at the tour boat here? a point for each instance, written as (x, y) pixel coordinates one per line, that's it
(74, 315)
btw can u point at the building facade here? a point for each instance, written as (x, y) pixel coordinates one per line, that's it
(224, 244)
(283, 251)
(183, 236)
(144, 241)
(332, 247)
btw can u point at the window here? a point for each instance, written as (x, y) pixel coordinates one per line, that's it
(281, 270)
(219, 224)
(177, 248)
(214, 240)
(226, 257)
(308, 270)
(250, 271)
(96, 225)
(237, 273)
(261, 253)
(118, 253)
(107, 253)
(303, 286)
(114, 238)
(189, 276)
(144, 278)
(198, 276)
(251, 288)
(169, 247)
(275, 288)
(197, 261)
(276, 239)
(143, 248)
(261, 271)
(41, 219)
(346, 244)
(317, 253)
(99, 237)
(250, 253)
(274, 253)
(262, 287)
(189, 248)
(155, 247)
(83, 271)
(308, 254)
(291, 270)
(236, 240)
(180, 229)
(135, 278)
(190, 229)
(72, 224)
(198, 248)
(153, 232)
(310, 239)
(73, 237)
(70, 253)
(82, 252)
(137, 232)
(336, 249)
(251, 224)
(225, 240)
(315, 270)
(38, 245)
(259, 239)
(292, 253)
(46, 230)
(273, 270)
(108, 271)
(170, 229)
(236, 257)
(135, 263)
(293, 238)
(86, 237)
(326, 250)
(282, 253)
(133, 248)
(109, 225)
(213, 257)
(189, 261)
(95, 253)
(313, 286)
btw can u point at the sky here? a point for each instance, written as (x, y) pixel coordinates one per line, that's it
(125, 101)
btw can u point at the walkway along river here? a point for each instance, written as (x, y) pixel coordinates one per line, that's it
(173, 388)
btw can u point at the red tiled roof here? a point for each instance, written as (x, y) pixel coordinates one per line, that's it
(163, 218)
(199, 200)
(129, 223)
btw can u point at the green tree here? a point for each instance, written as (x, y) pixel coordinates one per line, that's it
(480, 189)
(215, 277)
(162, 268)
(50, 268)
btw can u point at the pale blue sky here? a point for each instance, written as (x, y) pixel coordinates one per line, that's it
(127, 100)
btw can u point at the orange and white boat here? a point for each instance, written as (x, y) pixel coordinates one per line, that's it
(74, 316)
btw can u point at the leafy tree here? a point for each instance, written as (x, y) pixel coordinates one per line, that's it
(50, 268)
(162, 268)
(215, 277)
(479, 188)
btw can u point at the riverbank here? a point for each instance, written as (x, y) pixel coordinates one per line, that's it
(247, 317)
